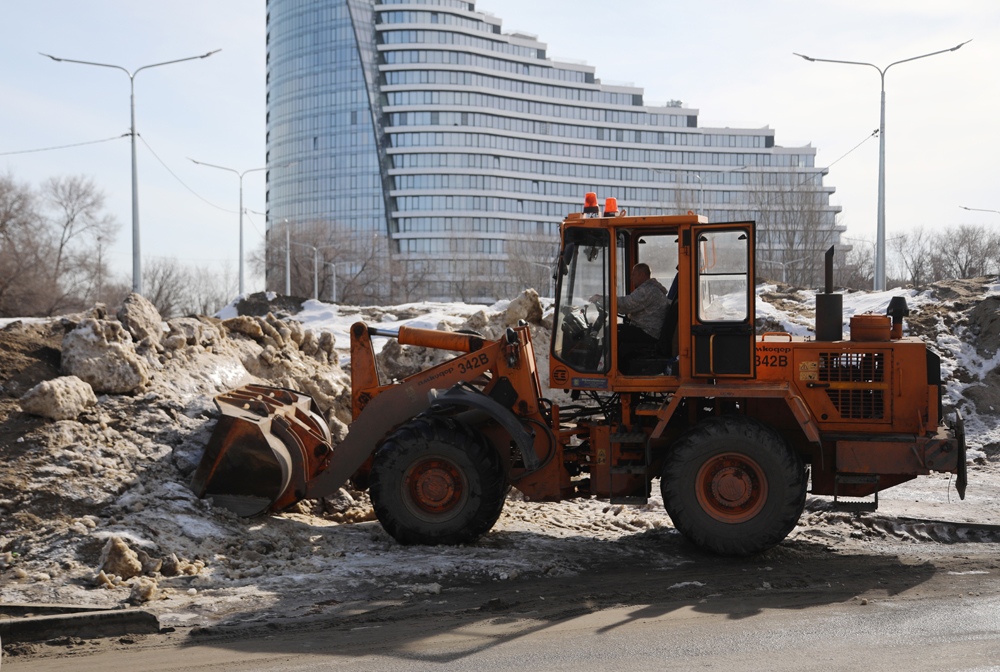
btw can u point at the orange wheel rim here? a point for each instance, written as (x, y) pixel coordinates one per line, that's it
(434, 486)
(731, 487)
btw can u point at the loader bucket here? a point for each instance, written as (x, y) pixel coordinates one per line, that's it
(268, 443)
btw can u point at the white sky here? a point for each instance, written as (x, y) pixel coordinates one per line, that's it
(730, 59)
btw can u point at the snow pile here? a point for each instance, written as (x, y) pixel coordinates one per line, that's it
(62, 398)
(103, 499)
(794, 309)
(102, 353)
(109, 516)
(140, 319)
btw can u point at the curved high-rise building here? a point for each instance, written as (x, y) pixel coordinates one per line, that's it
(433, 156)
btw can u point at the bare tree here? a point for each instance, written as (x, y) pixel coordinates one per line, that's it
(78, 227)
(115, 290)
(91, 278)
(529, 264)
(320, 248)
(793, 228)
(167, 285)
(24, 283)
(465, 285)
(365, 258)
(857, 271)
(914, 251)
(496, 278)
(77, 206)
(688, 193)
(17, 205)
(53, 246)
(210, 291)
(410, 278)
(966, 251)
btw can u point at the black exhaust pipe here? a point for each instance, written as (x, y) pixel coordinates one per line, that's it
(829, 308)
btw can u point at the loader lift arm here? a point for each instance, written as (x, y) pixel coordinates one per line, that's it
(312, 470)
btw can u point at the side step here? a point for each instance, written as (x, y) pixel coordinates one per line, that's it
(629, 469)
(635, 501)
(636, 470)
(858, 479)
(629, 437)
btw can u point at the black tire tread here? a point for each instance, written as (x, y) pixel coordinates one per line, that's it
(709, 534)
(415, 435)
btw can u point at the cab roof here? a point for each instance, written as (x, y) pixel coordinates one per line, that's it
(578, 219)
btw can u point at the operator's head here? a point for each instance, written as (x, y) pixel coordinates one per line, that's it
(640, 274)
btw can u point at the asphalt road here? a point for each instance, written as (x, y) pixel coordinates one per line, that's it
(947, 619)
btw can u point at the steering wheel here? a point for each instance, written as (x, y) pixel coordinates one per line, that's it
(598, 323)
(574, 322)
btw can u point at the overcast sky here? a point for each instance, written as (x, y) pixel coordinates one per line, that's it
(730, 59)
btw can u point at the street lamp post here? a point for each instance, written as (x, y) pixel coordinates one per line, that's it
(316, 265)
(136, 250)
(233, 170)
(880, 236)
(333, 297)
(288, 260)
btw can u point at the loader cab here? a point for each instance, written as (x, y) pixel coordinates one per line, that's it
(708, 328)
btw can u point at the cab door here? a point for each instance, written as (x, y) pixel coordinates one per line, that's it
(722, 306)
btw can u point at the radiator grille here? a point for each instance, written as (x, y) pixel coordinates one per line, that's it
(855, 367)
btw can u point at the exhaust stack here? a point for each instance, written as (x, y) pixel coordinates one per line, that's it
(829, 308)
(897, 311)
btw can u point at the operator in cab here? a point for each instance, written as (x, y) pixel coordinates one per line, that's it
(645, 308)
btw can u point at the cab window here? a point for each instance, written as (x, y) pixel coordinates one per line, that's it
(660, 252)
(581, 337)
(723, 276)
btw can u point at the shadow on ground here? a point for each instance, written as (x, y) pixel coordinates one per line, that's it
(796, 575)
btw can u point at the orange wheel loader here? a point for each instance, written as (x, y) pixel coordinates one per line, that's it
(735, 425)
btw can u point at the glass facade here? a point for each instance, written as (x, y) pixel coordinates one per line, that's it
(433, 151)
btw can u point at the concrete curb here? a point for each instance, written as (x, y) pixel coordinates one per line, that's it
(105, 623)
(12, 609)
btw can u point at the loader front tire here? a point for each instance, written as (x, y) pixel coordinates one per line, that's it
(733, 485)
(437, 481)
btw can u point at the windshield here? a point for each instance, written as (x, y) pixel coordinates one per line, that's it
(581, 338)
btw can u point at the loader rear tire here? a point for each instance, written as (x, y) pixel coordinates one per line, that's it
(437, 481)
(733, 485)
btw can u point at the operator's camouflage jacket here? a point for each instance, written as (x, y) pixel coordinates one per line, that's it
(646, 306)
